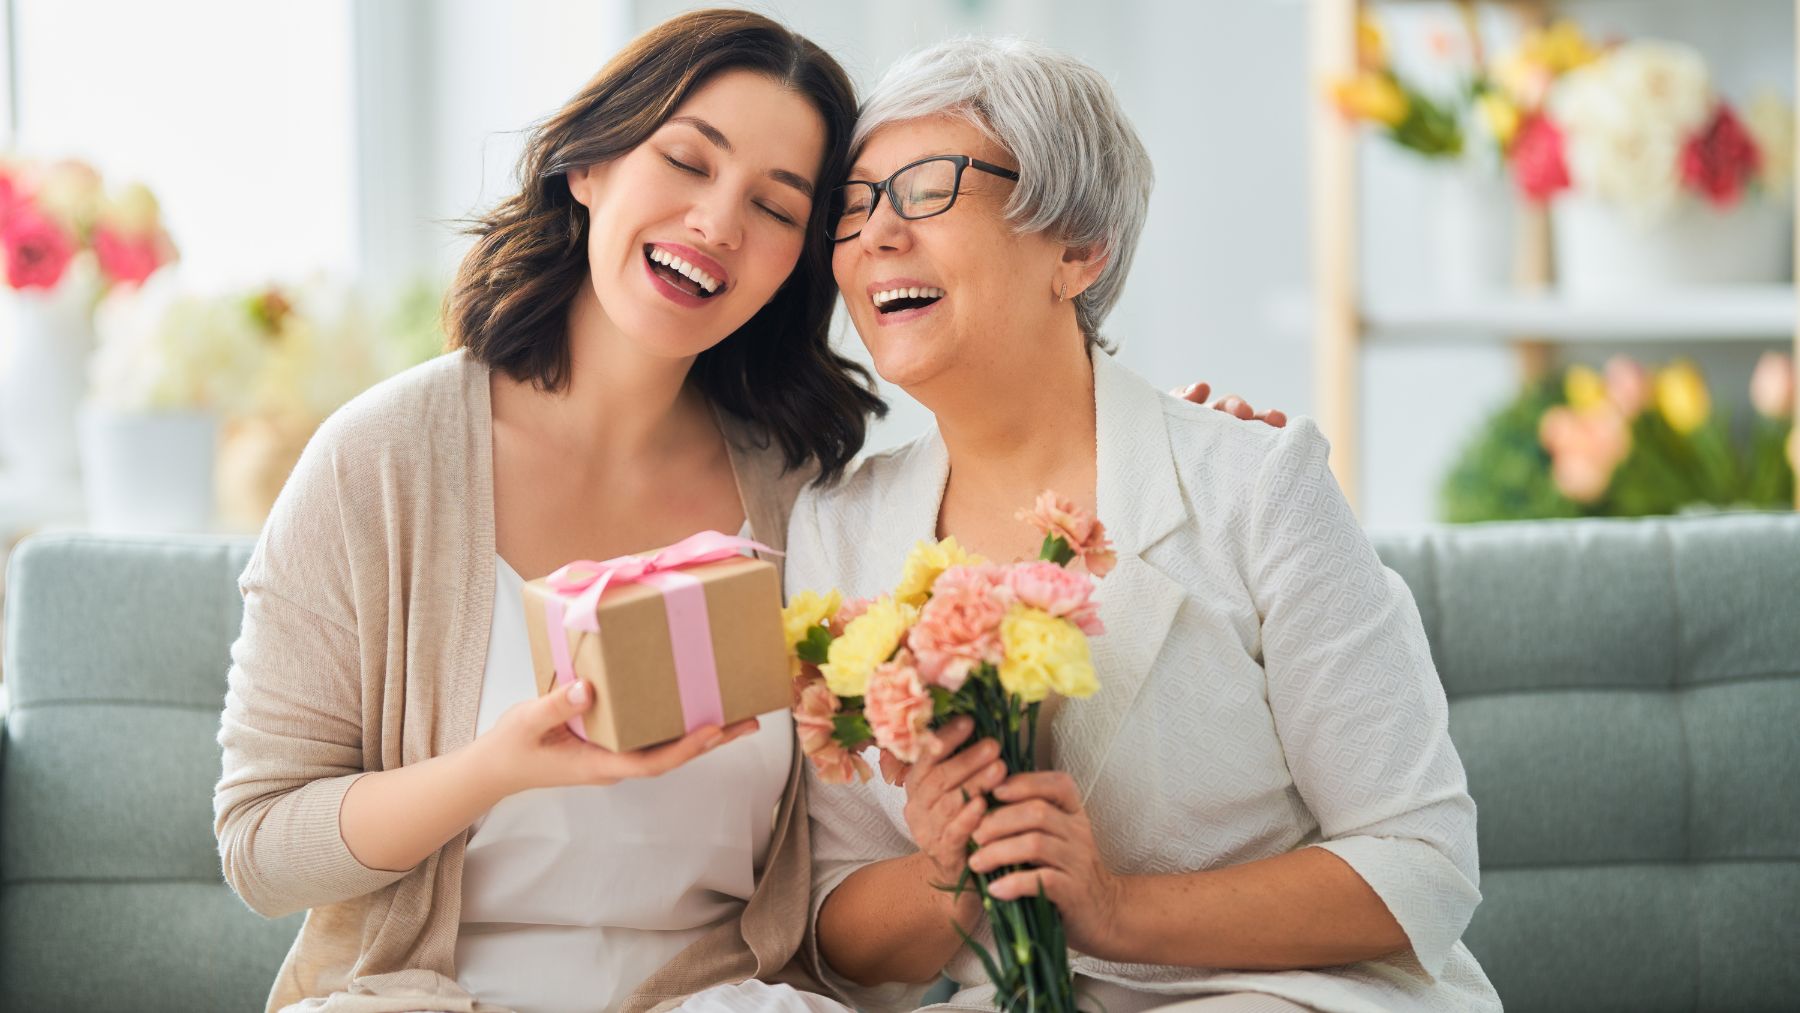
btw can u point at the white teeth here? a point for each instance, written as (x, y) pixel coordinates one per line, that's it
(922, 292)
(685, 269)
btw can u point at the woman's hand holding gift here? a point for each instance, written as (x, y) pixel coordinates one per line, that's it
(1042, 825)
(531, 746)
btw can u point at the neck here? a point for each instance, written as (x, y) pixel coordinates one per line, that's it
(620, 404)
(1020, 425)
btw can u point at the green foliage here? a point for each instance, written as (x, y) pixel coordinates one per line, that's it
(1504, 473)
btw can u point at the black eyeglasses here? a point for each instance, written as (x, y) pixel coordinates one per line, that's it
(916, 190)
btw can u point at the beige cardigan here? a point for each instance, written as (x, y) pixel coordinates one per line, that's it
(366, 612)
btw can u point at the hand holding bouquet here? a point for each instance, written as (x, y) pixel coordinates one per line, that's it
(959, 636)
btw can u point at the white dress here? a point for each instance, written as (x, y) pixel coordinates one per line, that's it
(573, 896)
(1265, 685)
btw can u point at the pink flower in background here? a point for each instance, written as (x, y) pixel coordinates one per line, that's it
(1772, 386)
(813, 715)
(1057, 591)
(898, 706)
(1537, 157)
(1627, 385)
(127, 259)
(1721, 160)
(38, 251)
(959, 627)
(1585, 447)
(1057, 517)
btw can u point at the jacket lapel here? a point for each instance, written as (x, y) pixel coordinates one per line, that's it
(1141, 503)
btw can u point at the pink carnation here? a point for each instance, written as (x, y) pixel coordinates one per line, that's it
(959, 627)
(847, 613)
(898, 706)
(1060, 592)
(813, 714)
(1060, 518)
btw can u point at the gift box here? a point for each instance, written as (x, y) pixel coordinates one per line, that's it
(670, 641)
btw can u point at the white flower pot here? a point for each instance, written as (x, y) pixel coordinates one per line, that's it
(148, 471)
(1601, 252)
(45, 342)
(1471, 237)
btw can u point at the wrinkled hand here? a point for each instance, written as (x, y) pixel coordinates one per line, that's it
(946, 796)
(531, 746)
(1232, 405)
(1042, 825)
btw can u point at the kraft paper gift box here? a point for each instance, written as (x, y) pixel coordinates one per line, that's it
(684, 637)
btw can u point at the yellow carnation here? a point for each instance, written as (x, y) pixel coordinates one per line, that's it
(869, 640)
(924, 563)
(1044, 655)
(808, 609)
(1682, 398)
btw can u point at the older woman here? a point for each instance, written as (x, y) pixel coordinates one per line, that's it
(1262, 804)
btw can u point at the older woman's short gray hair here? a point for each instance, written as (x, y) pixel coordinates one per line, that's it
(1085, 176)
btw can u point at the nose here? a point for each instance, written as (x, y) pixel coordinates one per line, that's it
(885, 230)
(718, 219)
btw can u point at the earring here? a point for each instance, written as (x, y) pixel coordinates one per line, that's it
(1062, 293)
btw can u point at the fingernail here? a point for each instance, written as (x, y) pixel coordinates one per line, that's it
(578, 692)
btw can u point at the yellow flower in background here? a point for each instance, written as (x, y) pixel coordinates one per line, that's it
(924, 563)
(1372, 95)
(1542, 56)
(1682, 398)
(807, 610)
(1584, 389)
(1500, 115)
(1044, 655)
(869, 640)
(133, 209)
(1371, 46)
(1562, 47)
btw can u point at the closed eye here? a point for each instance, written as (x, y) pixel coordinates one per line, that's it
(777, 215)
(684, 167)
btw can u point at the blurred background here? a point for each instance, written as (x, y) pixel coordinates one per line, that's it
(1520, 259)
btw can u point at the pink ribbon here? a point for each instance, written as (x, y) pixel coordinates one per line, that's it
(574, 605)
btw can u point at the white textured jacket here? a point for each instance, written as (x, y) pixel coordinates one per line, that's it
(1265, 686)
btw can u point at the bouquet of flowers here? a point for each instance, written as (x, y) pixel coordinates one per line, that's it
(52, 215)
(1627, 442)
(960, 635)
(1637, 125)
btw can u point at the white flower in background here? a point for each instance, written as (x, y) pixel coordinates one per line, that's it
(1770, 121)
(1626, 117)
(327, 350)
(162, 349)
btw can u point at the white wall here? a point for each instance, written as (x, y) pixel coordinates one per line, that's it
(237, 115)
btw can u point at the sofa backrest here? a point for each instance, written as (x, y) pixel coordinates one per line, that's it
(110, 891)
(1626, 699)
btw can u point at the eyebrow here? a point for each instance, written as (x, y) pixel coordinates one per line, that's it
(723, 143)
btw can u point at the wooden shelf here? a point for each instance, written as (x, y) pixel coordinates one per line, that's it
(1747, 313)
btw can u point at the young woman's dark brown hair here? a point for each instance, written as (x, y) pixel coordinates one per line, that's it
(510, 300)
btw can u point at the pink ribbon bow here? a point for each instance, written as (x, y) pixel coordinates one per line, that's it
(574, 606)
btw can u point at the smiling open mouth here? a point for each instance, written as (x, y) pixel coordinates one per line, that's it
(681, 275)
(896, 300)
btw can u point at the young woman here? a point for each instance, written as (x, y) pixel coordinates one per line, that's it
(643, 354)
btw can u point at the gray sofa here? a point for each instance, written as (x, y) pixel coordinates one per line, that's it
(1626, 697)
